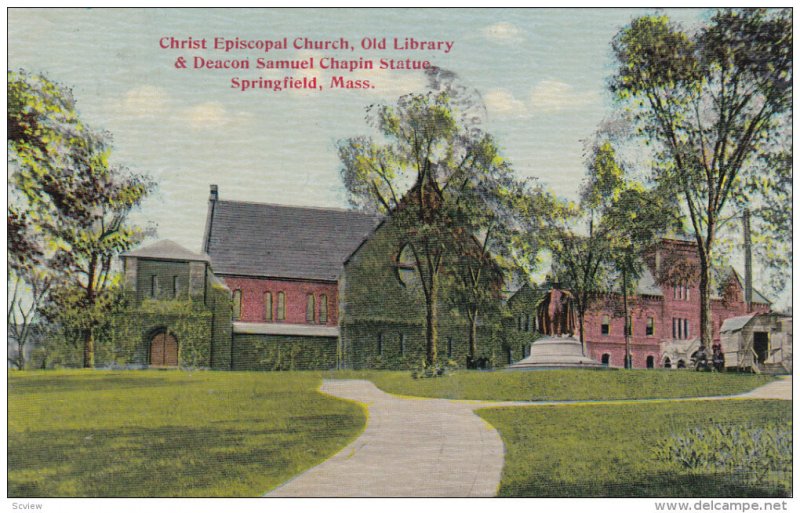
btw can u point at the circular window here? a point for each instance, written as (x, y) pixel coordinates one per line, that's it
(406, 267)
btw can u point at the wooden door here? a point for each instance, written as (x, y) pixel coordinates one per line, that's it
(164, 351)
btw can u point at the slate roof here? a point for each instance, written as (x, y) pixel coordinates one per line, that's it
(647, 285)
(166, 250)
(278, 241)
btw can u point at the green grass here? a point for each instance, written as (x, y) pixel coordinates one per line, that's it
(603, 450)
(563, 384)
(159, 433)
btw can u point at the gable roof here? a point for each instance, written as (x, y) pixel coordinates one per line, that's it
(647, 285)
(758, 297)
(278, 241)
(166, 250)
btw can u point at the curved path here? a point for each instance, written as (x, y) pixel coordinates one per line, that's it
(429, 447)
(410, 448)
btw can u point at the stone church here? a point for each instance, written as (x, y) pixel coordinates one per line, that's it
(280, 287)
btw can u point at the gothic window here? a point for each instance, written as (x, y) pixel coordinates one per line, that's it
(237, 304)
(154, 286)
(380, 343)
(176, 291)
(402, 343)
(310, 308)
(323, 309)
(650, 330)
(605, 328)
(281, 306)
(268, 306)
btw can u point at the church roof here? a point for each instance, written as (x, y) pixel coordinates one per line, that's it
(166, 250)
(278, 241)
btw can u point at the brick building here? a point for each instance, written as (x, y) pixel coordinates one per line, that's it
(665, 311)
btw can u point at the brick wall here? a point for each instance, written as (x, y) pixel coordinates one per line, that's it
(296, 293)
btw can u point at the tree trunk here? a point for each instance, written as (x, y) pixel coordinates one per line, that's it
(628, 358)
(431, 325)
(580, 329)
(473, 334)
(706, 332)
(88, 349)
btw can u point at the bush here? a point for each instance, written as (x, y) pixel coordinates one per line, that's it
(759, 455)
(437, 370)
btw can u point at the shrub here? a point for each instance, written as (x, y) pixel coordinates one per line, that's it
(759, 455)
(437, 370)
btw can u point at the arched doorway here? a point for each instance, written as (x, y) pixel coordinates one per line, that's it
(667, 363)
(163, 350)
(650, 362)
(606, 359)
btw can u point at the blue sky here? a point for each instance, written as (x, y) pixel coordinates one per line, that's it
(542, 74)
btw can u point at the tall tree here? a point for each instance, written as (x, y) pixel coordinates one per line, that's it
(579, 248)
(431, 152)
(78, 203)
(713, 103)
(489, 230)
(634, 219)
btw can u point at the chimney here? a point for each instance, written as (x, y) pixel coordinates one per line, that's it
(748, 262)
(213, 197)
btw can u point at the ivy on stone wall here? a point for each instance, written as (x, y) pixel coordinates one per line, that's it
(283, 353)
(189, 321)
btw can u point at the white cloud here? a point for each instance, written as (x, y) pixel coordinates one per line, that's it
(151, 104)
(206, 115)
(546, 97)
(552, 95)
(502, 103)
(143, 101)
(503, 32)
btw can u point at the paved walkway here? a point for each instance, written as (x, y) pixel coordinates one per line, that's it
(410, 448)
(428, 447)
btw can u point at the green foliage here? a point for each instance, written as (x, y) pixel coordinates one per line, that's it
(169, 433)
(189, 321)
(439, 370)
(69, 203)
(606, 450)
(283, 353)
(448, 190)
(748, 454)
(715, 105)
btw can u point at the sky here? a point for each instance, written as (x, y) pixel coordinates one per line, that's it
(542, 74)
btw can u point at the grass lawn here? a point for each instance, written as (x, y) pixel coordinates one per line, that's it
(562, 384)
(607, 450)
(168, 433)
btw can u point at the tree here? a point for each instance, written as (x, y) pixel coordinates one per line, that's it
(26, 272)
(634, 219)
(580, 261)
(77, 202)
(490, 229)
(713, 104)
(431, 155)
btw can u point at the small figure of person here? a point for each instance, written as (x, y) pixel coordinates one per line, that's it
(718, 358)
(700, 359)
